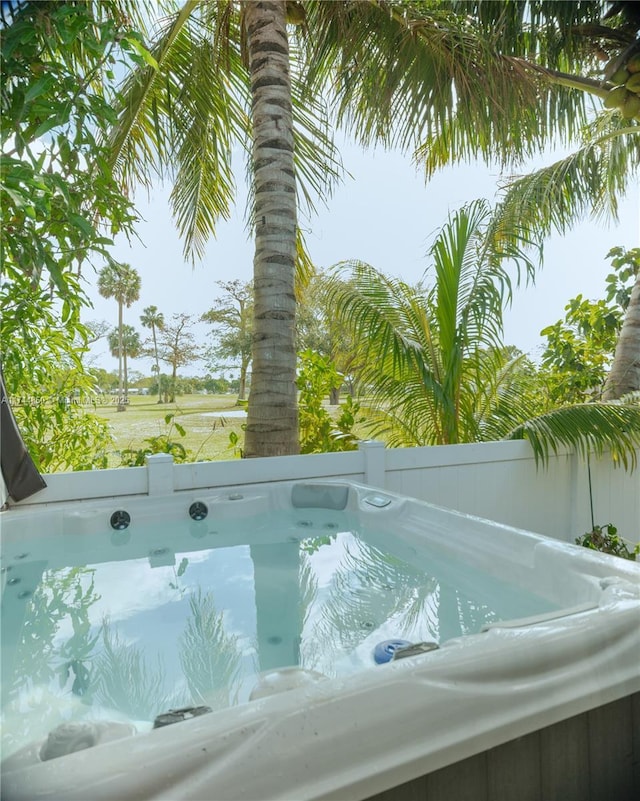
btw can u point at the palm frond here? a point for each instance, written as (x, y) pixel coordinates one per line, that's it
(500, 394)
(126, 680)
(585, 428)
(210, 658)
(589, 181)
(182, 120)
(368, 300)
(402, 73)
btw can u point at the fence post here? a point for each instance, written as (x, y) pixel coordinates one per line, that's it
(374, 462)
(160, 473)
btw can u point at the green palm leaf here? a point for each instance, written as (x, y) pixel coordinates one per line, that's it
(447, 74)
(589, 181)
(426, 351)
(585, 428)
(184, 120)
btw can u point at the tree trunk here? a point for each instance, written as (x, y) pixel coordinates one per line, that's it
(624, 376)
(272, 421)
(242, 389)
(121, 407)
(126, 379)
(155, 350)
(174, 377)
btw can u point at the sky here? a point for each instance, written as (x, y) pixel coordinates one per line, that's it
(384, 214)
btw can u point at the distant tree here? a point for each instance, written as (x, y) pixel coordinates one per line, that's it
(320, 330)
(232, 318)
(105, 381)
(127, 341)
(153, 319)
(177, 346)
(122, 282)
(96, 330)
(216, 386)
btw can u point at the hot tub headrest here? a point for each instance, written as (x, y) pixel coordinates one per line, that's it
(319, 496)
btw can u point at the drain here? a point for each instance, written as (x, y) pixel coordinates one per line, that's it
(198, 510)
(25, 594)
(120, 520)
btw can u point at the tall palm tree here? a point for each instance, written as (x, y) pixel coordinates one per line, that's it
(223, 73)
(437, 372)
(122, 282)
(153, 319)
(128, 342)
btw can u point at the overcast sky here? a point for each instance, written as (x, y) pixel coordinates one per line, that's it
(385, 215)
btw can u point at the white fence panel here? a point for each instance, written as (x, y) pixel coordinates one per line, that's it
(497, 480)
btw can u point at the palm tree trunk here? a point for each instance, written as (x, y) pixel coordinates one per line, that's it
(155, 351)
(121, 407)
(272, 422)
(624, 376)
(126, 379)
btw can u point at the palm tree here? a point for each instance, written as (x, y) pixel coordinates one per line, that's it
(222, 75)
(122, 282)
(437, 372)
(588, 181)
(153, 319)
(131, 346)
(624, 376)
(434, 366)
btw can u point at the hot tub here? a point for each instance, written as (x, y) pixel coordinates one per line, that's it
(338, 640)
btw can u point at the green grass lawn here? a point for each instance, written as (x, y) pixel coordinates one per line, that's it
(206, 437)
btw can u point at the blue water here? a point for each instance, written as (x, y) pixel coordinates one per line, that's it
(194, 622)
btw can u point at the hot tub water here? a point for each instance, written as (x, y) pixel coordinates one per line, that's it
(194, 621)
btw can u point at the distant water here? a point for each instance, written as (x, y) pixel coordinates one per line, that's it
(234, 413)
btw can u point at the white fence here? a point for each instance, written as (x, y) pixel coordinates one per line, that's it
(497, 480)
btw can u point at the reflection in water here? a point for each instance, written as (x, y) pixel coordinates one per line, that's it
(210, 657)
(276, 577)
(128, 681)
(161, 638)
(37, 666)
(98, 672)
(374, 595)
(369, 589)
